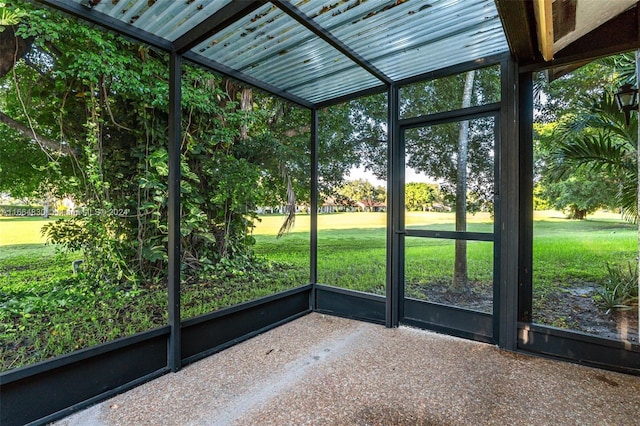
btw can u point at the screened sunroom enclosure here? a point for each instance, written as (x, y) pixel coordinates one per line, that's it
(315, 55)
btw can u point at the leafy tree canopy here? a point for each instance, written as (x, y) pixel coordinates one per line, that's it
(583, 142)
(420, 196)
(362, 191)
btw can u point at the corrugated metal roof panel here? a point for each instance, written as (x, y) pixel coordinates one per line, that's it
(168, 19)
(272, 47)
(265, 32)
(405, 38)
(440, 55)
(399, 38)
(340, 84)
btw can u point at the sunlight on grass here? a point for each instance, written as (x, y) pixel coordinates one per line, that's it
(478, 222)
(351, 254)
(270, 224)
(22, 230)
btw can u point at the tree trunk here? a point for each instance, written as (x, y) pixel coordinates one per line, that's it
(28, 132)
(12, 49)
(460, 278)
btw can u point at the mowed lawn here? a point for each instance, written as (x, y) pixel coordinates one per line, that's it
(352, 246)
(25, 258)
(22, 236)
(46, 313)
(270, 224)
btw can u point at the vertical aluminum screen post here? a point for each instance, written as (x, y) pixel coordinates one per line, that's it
(313, 265)
(506, 313)
(395, 217)
(525, 251)
(173, 214)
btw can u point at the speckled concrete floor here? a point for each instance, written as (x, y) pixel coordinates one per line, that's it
(323, 370)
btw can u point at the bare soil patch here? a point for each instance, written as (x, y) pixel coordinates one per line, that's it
(571, 308)
(575, 309)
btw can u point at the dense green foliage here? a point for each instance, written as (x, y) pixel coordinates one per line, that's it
(96, 104)
(420, 196)
(47, 311)
(586, 154)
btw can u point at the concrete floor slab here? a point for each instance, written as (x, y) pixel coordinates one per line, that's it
(324, 370)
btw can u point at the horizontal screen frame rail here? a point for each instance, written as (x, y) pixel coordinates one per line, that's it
(452, 235)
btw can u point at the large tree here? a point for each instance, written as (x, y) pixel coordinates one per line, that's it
(564, 185)
(420, 196)
(87, 110)
(362, 192)
(581, 194)
(91, 111)
(460, 276)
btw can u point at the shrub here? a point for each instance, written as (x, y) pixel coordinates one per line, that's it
(620, 290)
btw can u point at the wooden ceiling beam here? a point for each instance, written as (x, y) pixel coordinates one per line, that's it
(544, 27)
(517, 20)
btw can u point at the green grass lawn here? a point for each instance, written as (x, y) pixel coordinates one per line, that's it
(21, 240)
(22, 230)
(569, 251)
(45, 312)
(352, 248)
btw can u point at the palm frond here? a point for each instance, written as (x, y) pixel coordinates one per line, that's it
(612, 120)
(625, 64)
(599, 113)
(599, 151)
(628, 197)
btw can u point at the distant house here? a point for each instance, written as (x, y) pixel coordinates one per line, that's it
(372, 206)
(335, 204)
(283, 209)
(329, 206)
(265, 210)
(437, 207)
